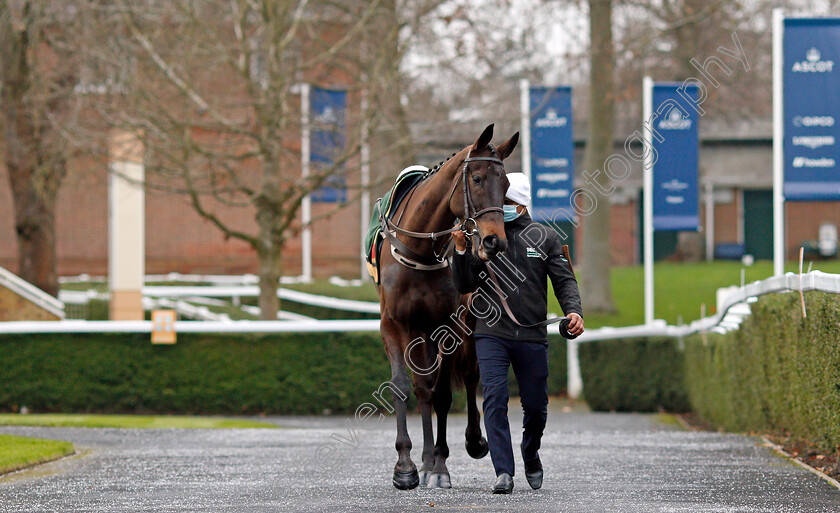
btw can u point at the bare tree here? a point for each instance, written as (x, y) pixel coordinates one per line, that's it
(37, 79)
(595, 275)
(212, 88)
(466, 59)
(661, 37)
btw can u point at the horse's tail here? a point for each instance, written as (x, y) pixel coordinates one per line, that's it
(461, 366)
(465, 364)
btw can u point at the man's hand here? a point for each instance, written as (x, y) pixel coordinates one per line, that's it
(575, 324)
(460, 239)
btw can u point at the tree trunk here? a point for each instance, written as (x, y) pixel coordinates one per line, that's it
(36, 168)
(595, 274)
(270, 272)
(35, 227)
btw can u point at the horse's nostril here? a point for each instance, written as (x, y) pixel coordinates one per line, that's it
(491, 242)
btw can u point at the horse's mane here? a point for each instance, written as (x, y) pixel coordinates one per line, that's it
(440, 164)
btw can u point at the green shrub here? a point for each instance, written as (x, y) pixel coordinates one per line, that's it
(641, 375)
(777, 372)
(200, 374)
(218, 374)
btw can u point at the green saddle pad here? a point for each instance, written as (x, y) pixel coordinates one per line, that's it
(387, 205)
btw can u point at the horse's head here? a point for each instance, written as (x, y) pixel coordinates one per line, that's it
(482, 193)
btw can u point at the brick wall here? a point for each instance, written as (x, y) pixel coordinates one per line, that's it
(177, 239)
(803, 220)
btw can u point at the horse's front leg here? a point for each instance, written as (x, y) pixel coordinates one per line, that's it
(442, 400)
(422, 389)
(405, 472)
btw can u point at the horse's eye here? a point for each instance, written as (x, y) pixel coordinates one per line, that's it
(476, 179)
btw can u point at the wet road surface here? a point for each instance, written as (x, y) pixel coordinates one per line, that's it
(593, 463)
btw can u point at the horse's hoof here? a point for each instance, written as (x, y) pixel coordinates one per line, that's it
(478, 450)
(424, 477)
(406, 480)
(439, 480)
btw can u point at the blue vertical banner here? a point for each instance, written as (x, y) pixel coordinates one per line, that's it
(327, 111)
(552, 153)
(811, 104)
(676, 148)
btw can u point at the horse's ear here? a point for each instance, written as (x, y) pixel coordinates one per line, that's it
(483, 139)
(507, 147)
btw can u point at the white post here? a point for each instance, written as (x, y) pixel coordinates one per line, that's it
(525, 130)
(574, 383)
(647, 112)
(739, 216)
(126, 226)
(365, 170)
(778, 149)
(710, 221)
(306, 204)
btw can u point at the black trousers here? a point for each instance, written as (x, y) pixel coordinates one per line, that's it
(530, 365)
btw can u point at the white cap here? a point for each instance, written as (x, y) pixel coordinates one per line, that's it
(520, 188)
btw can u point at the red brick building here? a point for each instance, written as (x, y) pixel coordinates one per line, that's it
(178, 239)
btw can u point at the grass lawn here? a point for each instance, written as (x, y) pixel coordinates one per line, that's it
(365, 292)
(17, 452)
(127, 421)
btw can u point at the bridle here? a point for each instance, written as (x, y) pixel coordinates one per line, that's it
(468, 225)
(410, 258)
(470, 215)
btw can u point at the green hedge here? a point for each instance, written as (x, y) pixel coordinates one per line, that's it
(641, 375)
(200, 374)
(219, 374)
(778, 372)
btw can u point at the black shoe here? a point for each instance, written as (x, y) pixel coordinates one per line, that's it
(534, 473)
(504, 484)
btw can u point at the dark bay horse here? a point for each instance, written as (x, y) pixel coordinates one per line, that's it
(425, 323)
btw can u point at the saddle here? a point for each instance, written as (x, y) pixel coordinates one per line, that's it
(384, 209)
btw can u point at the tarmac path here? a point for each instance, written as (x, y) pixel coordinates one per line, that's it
(594, 462)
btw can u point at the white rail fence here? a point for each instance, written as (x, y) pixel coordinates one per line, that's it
(31, 293)
(732, 308)
(161, 296)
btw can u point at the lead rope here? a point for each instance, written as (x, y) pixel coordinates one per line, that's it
(564, 321)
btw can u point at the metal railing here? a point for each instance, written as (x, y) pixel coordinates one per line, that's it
(730, 314)
(31, 293)
(727, 317)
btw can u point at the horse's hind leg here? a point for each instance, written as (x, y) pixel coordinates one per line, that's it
(442, 400)
(477, 446)
(405, 472)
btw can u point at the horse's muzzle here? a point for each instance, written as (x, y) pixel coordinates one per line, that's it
(493, 244)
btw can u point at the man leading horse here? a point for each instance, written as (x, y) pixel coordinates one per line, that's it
(518, 276)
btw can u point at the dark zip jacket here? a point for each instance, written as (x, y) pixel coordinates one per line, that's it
(534, 254)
